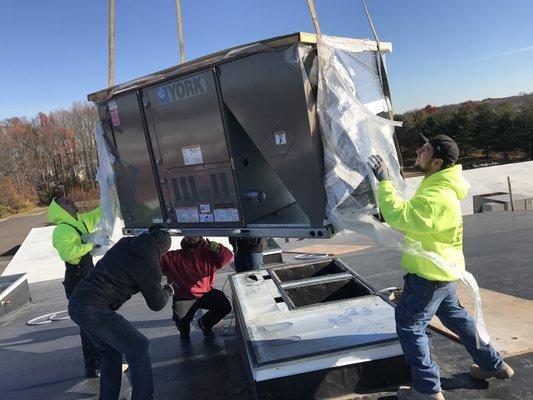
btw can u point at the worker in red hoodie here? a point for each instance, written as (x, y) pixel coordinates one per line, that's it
(192, 270)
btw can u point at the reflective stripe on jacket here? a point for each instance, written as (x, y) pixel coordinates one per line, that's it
(432, 217)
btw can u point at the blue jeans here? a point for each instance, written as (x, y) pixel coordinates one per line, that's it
(113, 336)
(248, 261)
(420, 301)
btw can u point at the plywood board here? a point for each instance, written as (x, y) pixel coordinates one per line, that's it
(509, 320)
(331, 249)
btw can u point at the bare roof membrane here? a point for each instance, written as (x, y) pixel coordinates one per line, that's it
(46, 362)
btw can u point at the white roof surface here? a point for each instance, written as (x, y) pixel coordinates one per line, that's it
(489, 180)
(38, 258)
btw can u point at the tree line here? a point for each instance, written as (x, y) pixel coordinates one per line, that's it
(498, 132)
(47, 155)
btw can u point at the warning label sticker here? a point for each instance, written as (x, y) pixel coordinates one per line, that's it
(205, 208)
(192, 155)
(280, 138)
(226, 214)
(187, 214)
(206, 217)
(113, 111)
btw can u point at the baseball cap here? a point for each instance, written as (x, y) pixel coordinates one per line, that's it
(444, 147)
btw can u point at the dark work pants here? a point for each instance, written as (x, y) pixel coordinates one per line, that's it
(74, 274)
(248, 261)
(215, 301)
(113, 335)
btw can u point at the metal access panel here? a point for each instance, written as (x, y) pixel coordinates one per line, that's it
(186, 118)
(273, 137)
(137, 189)
(193, 160)
(205, 197)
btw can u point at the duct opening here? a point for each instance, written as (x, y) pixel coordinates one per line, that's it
(325, 292)
(307, 271)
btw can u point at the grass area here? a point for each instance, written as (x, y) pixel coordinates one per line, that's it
(31, 210)
(83, 206)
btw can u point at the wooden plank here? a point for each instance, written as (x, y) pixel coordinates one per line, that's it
(331, 249)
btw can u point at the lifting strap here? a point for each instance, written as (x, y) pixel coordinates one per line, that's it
(180, 31)
(312, 10)
(384, 80)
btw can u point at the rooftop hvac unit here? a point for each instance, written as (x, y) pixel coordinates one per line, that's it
(226, 145)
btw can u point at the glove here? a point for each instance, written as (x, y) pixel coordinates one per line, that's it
(169, 290)
(213, 246)
(378, 167)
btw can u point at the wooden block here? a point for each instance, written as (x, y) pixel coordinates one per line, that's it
(332, 249)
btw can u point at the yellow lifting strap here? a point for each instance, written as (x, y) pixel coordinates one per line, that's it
(312, 10)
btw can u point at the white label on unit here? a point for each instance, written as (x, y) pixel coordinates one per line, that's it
(113, 110)
(280, 137)
(206, 217)
(205, 208)
(188, 214)
(157, 220)
(226, 214)
(192, 155)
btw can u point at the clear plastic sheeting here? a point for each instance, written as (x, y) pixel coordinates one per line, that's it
(349, 103)
(110, 221)
(349, 98)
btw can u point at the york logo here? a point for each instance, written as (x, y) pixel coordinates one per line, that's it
(181, 90)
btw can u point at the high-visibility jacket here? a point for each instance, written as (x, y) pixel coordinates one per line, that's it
(65, 238)
(431, 218)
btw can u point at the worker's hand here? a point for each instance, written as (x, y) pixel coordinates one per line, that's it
(213, 246)
(380, 170)
(169, 290)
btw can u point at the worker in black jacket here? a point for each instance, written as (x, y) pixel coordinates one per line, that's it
(130, 266)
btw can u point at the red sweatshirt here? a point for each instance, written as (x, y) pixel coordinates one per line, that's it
(194, 271)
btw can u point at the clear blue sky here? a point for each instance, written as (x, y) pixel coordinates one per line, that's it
(54, 52)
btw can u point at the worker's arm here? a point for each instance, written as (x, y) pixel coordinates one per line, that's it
(154, 294)
(415, 215)
(91, 218)
(219, 254)
(68, 244)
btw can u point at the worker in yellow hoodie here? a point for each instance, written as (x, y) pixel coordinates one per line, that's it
(67, 240)
(433, 219)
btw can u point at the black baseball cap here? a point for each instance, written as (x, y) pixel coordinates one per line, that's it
(444, 147)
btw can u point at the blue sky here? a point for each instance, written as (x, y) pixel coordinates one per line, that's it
(54, 52)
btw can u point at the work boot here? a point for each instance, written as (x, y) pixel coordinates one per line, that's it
(408, 393)
(208, 332)
(505, 372)
(185, 337)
